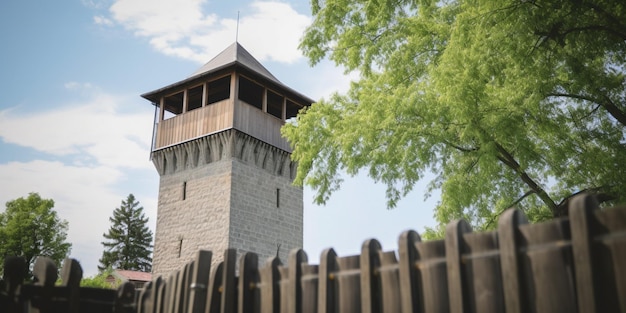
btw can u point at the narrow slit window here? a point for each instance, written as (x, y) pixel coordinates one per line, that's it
(278, 197)
(184, 191)
(180, 247)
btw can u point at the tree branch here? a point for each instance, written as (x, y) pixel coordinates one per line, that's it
(493, 217)
(508, 159)
(462, 149)
(598, 192)
(608, 105)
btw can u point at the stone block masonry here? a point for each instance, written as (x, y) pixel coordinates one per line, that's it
(226, 190)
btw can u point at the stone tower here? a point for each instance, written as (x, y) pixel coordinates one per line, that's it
(225, 171)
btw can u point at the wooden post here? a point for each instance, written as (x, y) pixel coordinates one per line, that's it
(144, 304)
(71, 274)
(45, 272)
(389, 282)
(599, 249)
(229, 286)
(431, 265)
(580, 209)
(155, 299)
(214, 292)
(248, 292)
(327, 301)
(125, 298)
(269, 286)
(481, 271)
(181, 289)
(454, 241)
(294, 295)
(509, 261)
(205, 94)
(349, 284)
(370, 276)
(170, 293)
(199, 281)
(310, 274)
(410, 287)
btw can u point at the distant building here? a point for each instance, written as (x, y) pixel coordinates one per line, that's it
(138, 279)
(225, 170)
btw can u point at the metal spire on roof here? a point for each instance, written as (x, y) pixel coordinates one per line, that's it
(237, 33)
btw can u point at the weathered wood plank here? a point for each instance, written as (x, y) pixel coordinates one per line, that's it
(294, 292)
(371, 301)
(349, 284)
(199, 282)
(548, 266)
(125, 297)
(309, 287)
(270, 286)
(248, 292)
(481, 271)
(580, 209)
(431, 265)
(410, 287)
(71, 274)
(510, 265)
(389, 282)
(214, 292)
(229, 282)
(457, 290)
(327, 300)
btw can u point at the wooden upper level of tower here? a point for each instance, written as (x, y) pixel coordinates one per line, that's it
(233, 90)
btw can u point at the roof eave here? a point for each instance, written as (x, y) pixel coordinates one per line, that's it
(155, 95)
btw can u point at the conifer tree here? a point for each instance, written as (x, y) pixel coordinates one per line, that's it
(128, 242)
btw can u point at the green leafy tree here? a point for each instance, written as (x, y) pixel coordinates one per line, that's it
(29, 227)
(128, 244)
(507, 103)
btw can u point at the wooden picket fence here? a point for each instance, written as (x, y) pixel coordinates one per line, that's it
(44, 296)
(571, 264)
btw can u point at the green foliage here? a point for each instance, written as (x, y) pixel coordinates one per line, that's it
(29, 228)
(100, 281)
(508, 103)
(129, 240)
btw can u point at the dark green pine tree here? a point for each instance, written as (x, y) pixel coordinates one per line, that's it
(128, 243)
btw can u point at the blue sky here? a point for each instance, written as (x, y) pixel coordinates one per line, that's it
(74, 129)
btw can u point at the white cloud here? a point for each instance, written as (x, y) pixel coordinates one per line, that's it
(182, 28)
(91, 147)
(96, 131)
(84, 196)
(94, 4)
(101, 20)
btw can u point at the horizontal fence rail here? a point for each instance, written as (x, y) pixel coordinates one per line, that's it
(570, 264)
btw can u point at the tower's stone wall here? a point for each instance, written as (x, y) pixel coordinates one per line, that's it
(226, 190)
(200, 221)
(266, 211)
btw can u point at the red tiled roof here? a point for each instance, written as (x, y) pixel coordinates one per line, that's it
(135, 275)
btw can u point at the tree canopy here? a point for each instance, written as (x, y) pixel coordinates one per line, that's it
(507, 103)
(29, 228)
(128, 244)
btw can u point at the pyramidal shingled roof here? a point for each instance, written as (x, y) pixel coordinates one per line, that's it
(235, 53)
